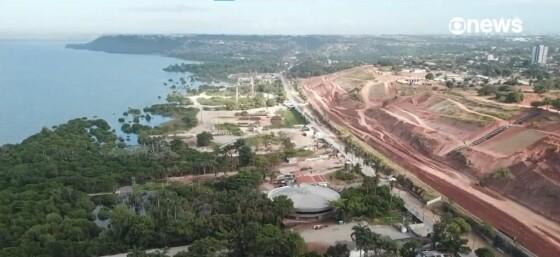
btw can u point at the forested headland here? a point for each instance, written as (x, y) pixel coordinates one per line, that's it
(45, 209)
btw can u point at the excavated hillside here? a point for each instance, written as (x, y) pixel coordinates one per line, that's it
(456, 144)
(531, 155)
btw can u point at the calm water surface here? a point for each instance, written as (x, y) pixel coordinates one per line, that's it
(44, 84)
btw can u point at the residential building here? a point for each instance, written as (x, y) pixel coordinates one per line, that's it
(539, 55)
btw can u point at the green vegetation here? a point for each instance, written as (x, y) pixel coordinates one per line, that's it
(219, 71)
(292, 117)
(286, 148)
(484, 252)
(46, 210)
(49, 174)
(134, 112)
(213, 217)
(504, 93)
(166, 110)
(547, 103)
(205, 247)
(489, 108)
(487, 90)
(369, 200)
(448, 236)
(355, 94)
(246, 155)
(178, 98)
(511, 97)
(344, 175)
(369, 241)
(261, 140)
(360, 74)
(536, 72)
(487, 232)
(218, 56)
(216, 101)
(450, 84)
(140, 253)
(219, 95)
(204, 139)
(231, 128)
(104, 213)
(545, 85)
(338, 250)
(409, 186)
(312, 68)
(430, 76)
(229, 103)
(44, 180)
(451, 110)
(494, 69)
(502, 174)
(410, 249)
(348, 173)
(183, 119)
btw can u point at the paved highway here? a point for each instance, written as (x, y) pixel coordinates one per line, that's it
(329, 136)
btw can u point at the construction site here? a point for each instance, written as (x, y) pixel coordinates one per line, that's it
(499, 162)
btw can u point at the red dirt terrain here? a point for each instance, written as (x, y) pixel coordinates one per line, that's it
(455, 144)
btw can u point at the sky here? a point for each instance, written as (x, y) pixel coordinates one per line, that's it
(83, 19)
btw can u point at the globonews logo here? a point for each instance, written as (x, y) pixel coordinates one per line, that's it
(460, 26)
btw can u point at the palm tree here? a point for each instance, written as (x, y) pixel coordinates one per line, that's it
(372, 243)
(359, 236)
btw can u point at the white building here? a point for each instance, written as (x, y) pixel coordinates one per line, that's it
(539, 55)
(491, 57)
(432, 254)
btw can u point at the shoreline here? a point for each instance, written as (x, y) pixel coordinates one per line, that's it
(76, 84)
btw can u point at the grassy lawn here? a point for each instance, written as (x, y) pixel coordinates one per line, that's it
(292, 117)
(393, 218)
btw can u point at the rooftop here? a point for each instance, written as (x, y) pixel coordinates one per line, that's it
(307, 198)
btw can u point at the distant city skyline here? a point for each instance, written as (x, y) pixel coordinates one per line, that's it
(83, 19)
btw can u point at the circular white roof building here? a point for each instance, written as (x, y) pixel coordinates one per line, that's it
(307, 199)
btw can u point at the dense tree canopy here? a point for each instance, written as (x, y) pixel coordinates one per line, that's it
(484, 252)
(369, 200)
(448, 236)
(204, 139)
(45, 209)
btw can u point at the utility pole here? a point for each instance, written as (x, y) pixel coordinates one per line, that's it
(252, 85)
(237, 94)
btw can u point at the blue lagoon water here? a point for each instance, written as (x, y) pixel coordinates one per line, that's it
(44, 84)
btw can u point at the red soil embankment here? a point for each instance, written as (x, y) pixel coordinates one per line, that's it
(388, 137)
